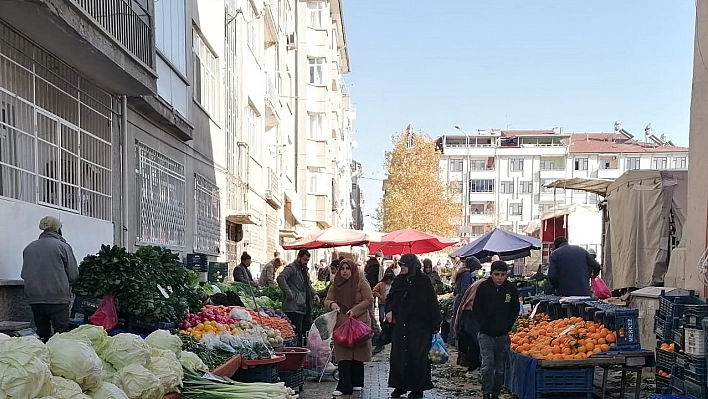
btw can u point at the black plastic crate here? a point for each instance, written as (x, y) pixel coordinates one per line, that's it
(664, 329)
(218, 272)
(677, 385)
(556, 310)
(197, 262)
(262, 373)
(567, 395)
(564, 380)
(678, 372)
(693, 316)
(138, 325)
(664, 359)
(663, 384)
(694, 389)
(694, 367)
(292, 379)
(675, 306)
(678, 336)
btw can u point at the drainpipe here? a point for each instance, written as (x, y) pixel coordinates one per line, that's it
(124, 136)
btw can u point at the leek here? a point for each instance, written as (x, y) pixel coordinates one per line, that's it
(198, 385)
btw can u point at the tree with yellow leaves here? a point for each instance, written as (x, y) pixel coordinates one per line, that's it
(414, 194)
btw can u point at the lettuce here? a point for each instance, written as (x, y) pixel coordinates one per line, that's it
(162, 339)
(28, 345)
(139, 383)
(126, 349)
(66, 389)
(107, 391)
(192, 361)
(93, 335)
(23, 375)
(167, 368)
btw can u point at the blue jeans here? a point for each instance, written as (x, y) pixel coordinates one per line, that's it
(494, 352)
(382, 312)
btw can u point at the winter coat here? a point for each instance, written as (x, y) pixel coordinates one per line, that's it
(267, 276)
(463, 281)
(372, 272)
(364, 300)
(380, 292)
(570, 268)
(296, 287)
(496, 308)
(49, 268)
(436, 280)
(242, 274)
(417, 317)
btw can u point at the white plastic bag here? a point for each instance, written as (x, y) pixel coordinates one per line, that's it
(325, 324)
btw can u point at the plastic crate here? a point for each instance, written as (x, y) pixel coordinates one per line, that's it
(526, 292)
(694, 368)
(625, 323)
(292, 379)
(677, 385)
(663, 384)
(693, 316)
(694, 342)
(556, 311)
(693, 389)
(677, 371)
(659, 396)
(664, 329)
(138, 325)
(567, 395)
(260, 373)
(678, 336)
(564, 380)
(664, 359)
(675, 306)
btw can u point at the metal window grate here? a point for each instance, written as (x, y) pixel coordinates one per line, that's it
(162, 202)
(208, 212)
(55, 132)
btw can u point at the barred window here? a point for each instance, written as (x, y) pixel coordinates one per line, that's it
(207, 239)
(162, 201)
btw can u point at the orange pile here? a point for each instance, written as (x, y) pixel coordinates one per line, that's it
(542, 340)
(667, 347)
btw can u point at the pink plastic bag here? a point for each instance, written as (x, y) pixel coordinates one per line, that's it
(106, 315)
(600, 288)
(351, 332)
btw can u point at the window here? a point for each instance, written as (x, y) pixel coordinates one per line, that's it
(581, 164)
(608, 163)
(206, 72)
(171, 60)
(317, 13)
(482, 186)
(516, 209)
(548, 164)
(507, 187)
(317, 71)
(207, 239)
(456, 165)
(318, 183)
(478, 164)
(660, 163)
(252, 28)
(516, 164)
(55, 151)
(545, 189)
(476, 230)
(526, 187)
(544, 207)
(678, 163)
(316, 130)
(162, 204)
(482, 208)
(633, 163)
(253, 128)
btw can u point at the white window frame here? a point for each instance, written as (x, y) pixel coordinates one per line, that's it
(316, 11)
(506, 187)
(162, 202)
(457, 165)
(580, 164)
(254, 133)
(525, 187)
(633, 161)
(487, 185)
(660, 163)
(252, 37)
(206, 76)
(516, 165)
(516, 209)
(317, 67)
(315, 130)
(679, 162)
(207, 208)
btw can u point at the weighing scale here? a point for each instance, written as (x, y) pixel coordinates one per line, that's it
(17, 329)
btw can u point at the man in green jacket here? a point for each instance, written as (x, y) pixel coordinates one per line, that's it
(48, 269)
(298, 294)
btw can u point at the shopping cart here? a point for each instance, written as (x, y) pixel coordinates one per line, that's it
(318, 365)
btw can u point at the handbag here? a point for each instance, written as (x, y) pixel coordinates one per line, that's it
(385, 335)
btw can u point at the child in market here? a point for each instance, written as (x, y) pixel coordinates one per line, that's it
(380, 292)
(496, 307)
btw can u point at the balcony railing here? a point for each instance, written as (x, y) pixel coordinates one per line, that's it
(272, 84)
(127, 21)
(273, 192)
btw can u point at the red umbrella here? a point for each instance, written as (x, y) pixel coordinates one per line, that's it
(329, 238)
(409, 241)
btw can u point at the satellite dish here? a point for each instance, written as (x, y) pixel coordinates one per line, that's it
(355, 144)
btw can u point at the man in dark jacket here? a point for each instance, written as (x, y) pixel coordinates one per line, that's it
(298, 294)
(496, 307)
(242, 273)
(372, 268)
(49, 268)
(570, 268)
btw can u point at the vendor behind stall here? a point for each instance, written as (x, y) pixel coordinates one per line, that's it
(570, 268)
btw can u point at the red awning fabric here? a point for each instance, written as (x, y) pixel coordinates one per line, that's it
(329, 238)
(410, 241)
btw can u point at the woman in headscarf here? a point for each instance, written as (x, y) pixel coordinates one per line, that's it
(464, 277)
(350, 295)
(412, 309)
(466, 329)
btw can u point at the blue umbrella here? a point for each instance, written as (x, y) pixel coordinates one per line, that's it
(504, 243)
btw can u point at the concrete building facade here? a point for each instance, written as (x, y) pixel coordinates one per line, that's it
(501, 174)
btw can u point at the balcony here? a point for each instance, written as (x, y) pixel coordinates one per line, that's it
(237, 209)
(109, 41)
(273, 194)
(272, 99)
(272, 26)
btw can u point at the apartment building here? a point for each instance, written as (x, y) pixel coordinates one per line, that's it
(182, 124)
(357, 197)
(501, 174)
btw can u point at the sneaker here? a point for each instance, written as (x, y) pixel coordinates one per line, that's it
(330, 367)
(397, 393)
(415, 395)
(337, 393)
(487, 396)
(357, 388)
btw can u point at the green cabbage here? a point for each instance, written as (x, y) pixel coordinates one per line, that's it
(66, 389)
(28, 345)
(126, 349)
(94, 335)
(108, 371)
(23, 375)
(191, 361)
(139, 383)
(167, 368)
(107, 391)
(162, 339)
(75, 360)
(4, 336)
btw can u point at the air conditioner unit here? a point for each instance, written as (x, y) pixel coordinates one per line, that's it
(291, 41)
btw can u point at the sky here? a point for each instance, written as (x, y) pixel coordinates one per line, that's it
(514, 64)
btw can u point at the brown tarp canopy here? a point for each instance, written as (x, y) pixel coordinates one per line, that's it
(642, 208)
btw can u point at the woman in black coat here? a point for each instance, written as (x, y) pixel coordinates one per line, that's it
(415, 316)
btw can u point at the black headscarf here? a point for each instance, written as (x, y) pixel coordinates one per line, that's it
(412, 262)
(473, 264)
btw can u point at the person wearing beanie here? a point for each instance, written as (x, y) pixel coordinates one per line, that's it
(242, 273)
(49, 269)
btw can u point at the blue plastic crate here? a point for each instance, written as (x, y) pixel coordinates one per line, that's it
(564, 380)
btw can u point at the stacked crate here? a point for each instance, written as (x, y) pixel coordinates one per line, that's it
(679, 321)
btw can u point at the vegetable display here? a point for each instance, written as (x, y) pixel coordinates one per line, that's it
(236, 320)
(197, 386)
(211, 358)
(151, 284)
